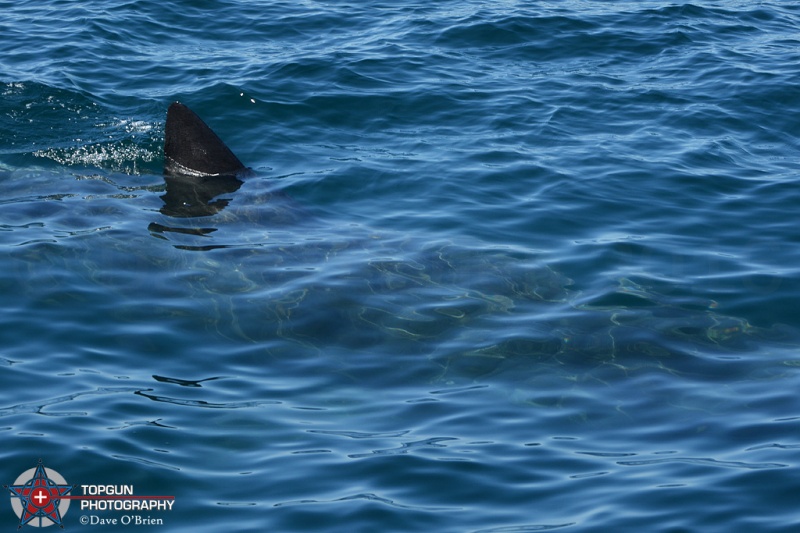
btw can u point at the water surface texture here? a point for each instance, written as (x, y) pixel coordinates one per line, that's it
(502, 266)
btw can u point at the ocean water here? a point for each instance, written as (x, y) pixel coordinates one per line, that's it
(501, 267)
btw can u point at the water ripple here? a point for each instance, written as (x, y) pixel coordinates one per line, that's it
(407, 447)
(524, 528)
(371, 498)
(37, 406)
(207, 405)
(525, 257)
(704, 462)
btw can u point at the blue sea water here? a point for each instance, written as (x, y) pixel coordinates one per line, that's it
(507, 266)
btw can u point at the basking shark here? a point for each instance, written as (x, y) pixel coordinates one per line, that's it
(450, 301)
(198, 166)
(295, 282)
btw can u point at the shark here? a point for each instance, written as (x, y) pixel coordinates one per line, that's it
(201, 173)
(467, 295)
(199, 167)
(295, 279)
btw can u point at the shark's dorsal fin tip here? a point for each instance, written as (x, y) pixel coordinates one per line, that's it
(191, 147)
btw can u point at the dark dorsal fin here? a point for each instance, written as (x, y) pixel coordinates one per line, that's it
(191, 147)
